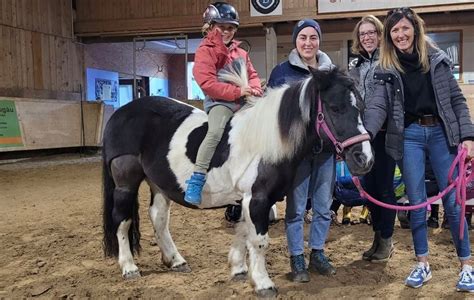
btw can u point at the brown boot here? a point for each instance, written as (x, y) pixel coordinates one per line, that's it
(367, 255)
(384, 251)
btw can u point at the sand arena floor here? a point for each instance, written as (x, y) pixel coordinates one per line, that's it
(50, 237)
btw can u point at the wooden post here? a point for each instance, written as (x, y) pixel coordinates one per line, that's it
(270, 49)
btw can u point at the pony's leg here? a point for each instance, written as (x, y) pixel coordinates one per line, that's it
(159, 213)
(122, 215)
(127, 174)
(238, 253)
(125, 257)
(257, 244)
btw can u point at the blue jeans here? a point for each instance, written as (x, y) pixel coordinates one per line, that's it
(322, 168)
(420, 140)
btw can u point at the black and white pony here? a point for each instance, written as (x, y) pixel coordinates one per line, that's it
(156, 139)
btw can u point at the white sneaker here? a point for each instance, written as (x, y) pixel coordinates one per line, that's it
(419, 275)
(466, 280)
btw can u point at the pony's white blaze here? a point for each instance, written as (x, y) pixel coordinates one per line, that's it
(353, 100)
(366, 147)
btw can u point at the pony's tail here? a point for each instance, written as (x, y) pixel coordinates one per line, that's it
(235, 72)
(110, 243)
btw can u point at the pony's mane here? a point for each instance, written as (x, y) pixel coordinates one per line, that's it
(274, 126)
(257, 128)
(235, 72)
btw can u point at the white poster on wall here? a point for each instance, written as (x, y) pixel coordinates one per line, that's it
(259, 8)
(106, 93)
(333, 6)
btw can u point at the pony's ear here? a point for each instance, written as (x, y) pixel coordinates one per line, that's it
(321, 78)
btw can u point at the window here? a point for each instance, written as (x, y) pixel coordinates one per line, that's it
(194, 91)
(450, 42)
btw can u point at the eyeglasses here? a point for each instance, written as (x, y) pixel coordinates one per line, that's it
(370, 33)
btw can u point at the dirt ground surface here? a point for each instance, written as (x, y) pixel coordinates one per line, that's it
(51, 233)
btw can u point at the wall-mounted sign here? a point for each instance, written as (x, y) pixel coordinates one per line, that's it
(103, 85)
(333, 6)
(259, 8)
(10, 134)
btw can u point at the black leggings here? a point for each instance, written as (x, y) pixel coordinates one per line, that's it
(379, 184)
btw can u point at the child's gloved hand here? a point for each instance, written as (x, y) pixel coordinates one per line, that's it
(245, 91)
(257, 92)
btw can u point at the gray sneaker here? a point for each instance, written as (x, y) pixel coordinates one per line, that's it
(298, 269)
(318, 262)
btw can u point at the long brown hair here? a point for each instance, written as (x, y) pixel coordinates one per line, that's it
(356, 47)
(421, 42)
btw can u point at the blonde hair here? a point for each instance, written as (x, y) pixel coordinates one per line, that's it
(421, 42)
(356, 47)
(205, 28)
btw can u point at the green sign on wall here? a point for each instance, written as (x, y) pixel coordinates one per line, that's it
(10, 134)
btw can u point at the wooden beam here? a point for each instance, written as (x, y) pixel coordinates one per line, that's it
(383, 12)
(174, 24)
(271, 55)
(40, 94)
(432, 20)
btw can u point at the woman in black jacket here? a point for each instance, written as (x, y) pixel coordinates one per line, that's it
(426, 114)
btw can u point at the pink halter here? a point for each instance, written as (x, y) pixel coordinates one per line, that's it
(340, 147)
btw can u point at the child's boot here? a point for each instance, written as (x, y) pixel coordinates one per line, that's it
(194, 189)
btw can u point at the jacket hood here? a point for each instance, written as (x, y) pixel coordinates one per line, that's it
(323, 59)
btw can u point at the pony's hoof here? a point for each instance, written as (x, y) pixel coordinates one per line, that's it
(183, 268)
(240, 276)
(267, 293)
(131, 275)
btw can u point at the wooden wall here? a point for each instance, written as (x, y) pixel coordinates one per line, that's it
(133, 17)
(38, 55)
(126, 17)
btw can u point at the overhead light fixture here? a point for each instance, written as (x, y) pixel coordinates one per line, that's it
(166, 44)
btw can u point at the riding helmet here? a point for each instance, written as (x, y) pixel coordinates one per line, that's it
(221, 12)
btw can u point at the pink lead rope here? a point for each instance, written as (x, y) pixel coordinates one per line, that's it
(460, 184)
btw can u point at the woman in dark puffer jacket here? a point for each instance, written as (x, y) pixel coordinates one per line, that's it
(426, 114)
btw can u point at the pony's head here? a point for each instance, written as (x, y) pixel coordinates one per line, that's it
(338, 109)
